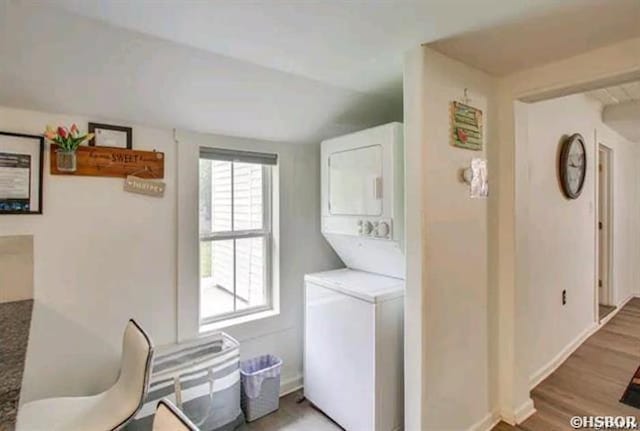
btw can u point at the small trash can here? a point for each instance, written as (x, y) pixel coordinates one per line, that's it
(260, 393)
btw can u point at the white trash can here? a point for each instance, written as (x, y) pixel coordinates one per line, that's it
(260, 393)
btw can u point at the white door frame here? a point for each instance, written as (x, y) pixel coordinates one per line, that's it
(606, 164)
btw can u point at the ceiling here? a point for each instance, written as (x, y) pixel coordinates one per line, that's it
(356, 44)
(621, 108)
(293, 71)
(546, 37)
(617, 94)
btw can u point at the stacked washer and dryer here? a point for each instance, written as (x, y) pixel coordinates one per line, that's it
(353, 353)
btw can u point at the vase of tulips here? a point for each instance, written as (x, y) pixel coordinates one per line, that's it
(68, 141)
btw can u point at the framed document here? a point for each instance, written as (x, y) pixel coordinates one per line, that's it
(107, 135)
(21, 163)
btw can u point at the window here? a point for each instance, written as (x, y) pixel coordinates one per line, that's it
(235, 233)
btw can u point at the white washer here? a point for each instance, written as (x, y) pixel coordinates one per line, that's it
(353, 368)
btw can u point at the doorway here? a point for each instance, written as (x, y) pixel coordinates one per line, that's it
(604, 197)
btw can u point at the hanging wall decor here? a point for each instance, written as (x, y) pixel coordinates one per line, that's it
(67, 141)
(466, 126)
(114, 162)
(107, 135)
(133, 183)
(572, 165)
(21, 162)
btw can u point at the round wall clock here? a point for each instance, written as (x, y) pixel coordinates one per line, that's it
(573, 165)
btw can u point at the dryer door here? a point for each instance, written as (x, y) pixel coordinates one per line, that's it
(355, 181)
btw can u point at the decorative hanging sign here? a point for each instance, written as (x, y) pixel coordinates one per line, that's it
(466, 126)
(113, 162)
(133, 184)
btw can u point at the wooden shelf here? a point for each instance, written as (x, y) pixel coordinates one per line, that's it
(113, 162)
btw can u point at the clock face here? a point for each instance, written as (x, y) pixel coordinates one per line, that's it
(573, 166)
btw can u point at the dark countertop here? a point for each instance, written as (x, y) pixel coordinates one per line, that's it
(15, 321)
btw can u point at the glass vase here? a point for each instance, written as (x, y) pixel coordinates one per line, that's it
(66, 160)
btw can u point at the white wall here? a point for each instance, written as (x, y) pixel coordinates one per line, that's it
(102, 256)
(562, 236)
(16, 268)
(455, 357)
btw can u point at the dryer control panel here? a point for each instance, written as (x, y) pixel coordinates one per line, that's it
(375, 228)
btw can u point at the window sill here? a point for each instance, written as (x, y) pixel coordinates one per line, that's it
(234, 321)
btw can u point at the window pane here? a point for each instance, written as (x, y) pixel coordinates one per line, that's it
(216, 278)
(247, 189)
(250, 276)
(233, 272)
(215, 196)
(205, 196)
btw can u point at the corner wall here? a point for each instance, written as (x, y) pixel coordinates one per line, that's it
(101, 256)
(456, 353)
(437, 284)
(414, 178)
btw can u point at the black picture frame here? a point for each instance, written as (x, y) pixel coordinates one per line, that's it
(96, 127)
(39, 143)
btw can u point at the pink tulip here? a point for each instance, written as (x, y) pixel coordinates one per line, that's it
(74, 129)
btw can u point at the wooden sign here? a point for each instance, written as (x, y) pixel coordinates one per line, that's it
(144, 187)
(466, 126)
(113, 162)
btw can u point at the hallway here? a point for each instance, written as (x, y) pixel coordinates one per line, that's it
(592, 380)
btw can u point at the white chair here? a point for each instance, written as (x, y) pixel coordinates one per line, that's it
(109, 411)
(169, 418)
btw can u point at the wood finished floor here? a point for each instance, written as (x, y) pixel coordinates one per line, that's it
(592, 380)
(294, 416)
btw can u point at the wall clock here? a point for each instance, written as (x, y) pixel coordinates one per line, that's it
(573, 165)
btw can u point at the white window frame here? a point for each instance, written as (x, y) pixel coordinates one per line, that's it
(266, 232)
(188, 151)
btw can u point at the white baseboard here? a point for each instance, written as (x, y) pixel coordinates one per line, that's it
(610, 315)
(525, 411)
(290, 385)
(486, 423)
(536, 378)
(520, 414)
(549, 368)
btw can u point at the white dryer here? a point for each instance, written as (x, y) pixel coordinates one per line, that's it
(353, 361)
(362, 198)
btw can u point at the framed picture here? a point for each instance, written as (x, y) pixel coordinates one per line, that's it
(466, 126)
(107, 135)
(21, 164)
